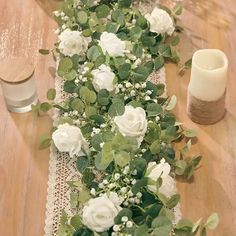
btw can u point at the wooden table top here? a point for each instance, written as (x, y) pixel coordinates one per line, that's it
(24, 28)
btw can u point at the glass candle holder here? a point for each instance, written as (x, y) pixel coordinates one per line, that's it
(18, 84)
(207, 86)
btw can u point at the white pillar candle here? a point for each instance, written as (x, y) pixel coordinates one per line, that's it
(208, 75)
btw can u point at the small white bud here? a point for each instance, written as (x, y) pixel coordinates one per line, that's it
(56, 13)
(101, 145)
(101, 185)
(126, 170)
(116, 228)
(105, 181)
(134, 181)
(139, 195)
(132, 93)
(128, 85)
(123, 189)
(157, 118)
(137, 86)
(62, 14)
(124, 219)
(130, 193)
(117, 176)
(103, 125)
(129, 224)
(144, 85)
(147, 98)
(93, 191)
(111, 186)
(63, 27)
(148, 92)
(57, 31)
(131, 200)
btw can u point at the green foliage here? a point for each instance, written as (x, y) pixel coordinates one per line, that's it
(117, 108)
(44, 141)
(93, 53)
(103, 97)
(51, 94)
(124, 212)
(82, 163)
(162, 226)
(110, 151)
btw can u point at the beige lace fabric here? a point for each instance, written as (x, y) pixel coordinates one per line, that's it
(62, 168)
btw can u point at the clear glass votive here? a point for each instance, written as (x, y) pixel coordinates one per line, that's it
(18, 84)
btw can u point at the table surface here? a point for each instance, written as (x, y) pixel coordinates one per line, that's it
(24, 28)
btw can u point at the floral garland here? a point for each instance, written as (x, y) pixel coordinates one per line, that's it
(118, 123)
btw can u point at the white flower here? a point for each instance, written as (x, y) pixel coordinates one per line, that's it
(72, 42)
(101, 185)
(126, 170)
(116, 228)
(113, 196)
(103, 78)
(133, 122)
(111, 44)
(117, 176)
(105, 181)
(93, 191)
(129, 224)
(168, 187)
(124, 219)
(123, 189)
(68, 138)
(99, 213)
(161, 170)
(160, 22)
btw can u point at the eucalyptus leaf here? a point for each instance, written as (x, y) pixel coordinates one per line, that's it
(51, 94)
(44, 141)
(212, 221)
(93, 53)
(162, 226)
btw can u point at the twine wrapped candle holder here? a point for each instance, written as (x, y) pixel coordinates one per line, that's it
(207, 87)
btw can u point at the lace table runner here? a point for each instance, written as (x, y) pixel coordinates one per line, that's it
(62, 168)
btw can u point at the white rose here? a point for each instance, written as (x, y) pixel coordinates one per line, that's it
(133, 122)
(99, 213)
(68, 138)
(168, 187)
(161, 170)
(103, 78)
(111, 44)
(72, 42)
(160, 22)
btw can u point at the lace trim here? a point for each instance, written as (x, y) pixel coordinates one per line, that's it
(62, 168)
